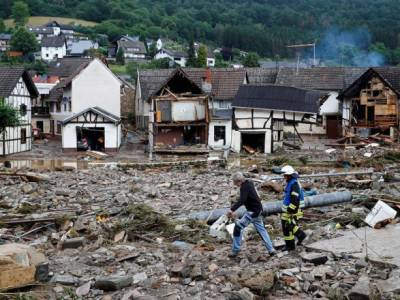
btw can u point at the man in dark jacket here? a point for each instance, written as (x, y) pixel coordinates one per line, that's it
(250, 199)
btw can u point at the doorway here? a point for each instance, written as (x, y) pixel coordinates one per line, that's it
(39, 125)
(333, 127)
(90, 139)
(253, 142)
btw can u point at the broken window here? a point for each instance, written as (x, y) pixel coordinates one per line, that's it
(219, 133)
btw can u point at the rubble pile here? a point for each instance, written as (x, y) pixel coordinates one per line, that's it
(121, 233)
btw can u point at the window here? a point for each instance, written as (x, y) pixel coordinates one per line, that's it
(58, 107)
(58, 127)
(23, 136)
(219, 133)
(22, 110)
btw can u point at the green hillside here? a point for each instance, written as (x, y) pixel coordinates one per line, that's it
(40, 20)
(263, 26)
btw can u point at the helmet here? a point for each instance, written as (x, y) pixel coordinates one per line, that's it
(288, 170)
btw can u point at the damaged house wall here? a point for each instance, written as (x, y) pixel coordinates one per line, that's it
(261, 112)
(371, 103)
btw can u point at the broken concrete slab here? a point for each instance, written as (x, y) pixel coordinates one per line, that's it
(315, 258)
(113, 283)
(385, 251)
(361, 290)
(18, 265)
(391, 285)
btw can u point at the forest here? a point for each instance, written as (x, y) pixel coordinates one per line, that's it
(262, 26)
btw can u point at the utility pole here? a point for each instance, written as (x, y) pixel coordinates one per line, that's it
(300, 46)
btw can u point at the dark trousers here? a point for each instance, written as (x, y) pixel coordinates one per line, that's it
(290, 231)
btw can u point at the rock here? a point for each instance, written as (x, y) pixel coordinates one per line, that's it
(261, 282)
(243, 294)
(27, 189)
(84, 289)
(66, 279)
(279, 243)
(180, 270)
(73, 243)
(361, 264)
(42, 272)
(119, 237)
(183, 245)
(113, 283)
(61, 192)
(314, 257)
(361, 290)
(390, 285)
(18, 265)
(272, 186)
(197, 273)
(139, 277)
(213, 268)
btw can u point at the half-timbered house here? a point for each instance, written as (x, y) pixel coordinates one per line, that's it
(260, 113)
(17, 90)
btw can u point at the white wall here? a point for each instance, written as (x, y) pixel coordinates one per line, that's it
(228, 134)
(50, 53)
(330, 106)
(346, 115)
(112, 135)
(96, 85)
(210, 62)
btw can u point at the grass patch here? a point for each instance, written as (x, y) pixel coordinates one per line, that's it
(118, 69)
(41, 20)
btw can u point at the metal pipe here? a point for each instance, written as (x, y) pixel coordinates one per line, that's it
(276, 206)
(369, 172)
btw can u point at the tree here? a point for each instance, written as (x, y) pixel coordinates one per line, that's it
(2, 26)
(120, 58)
(202, 57)
(9, 116)
(191, 62)
(24, 41)
(251, 60)
(20, 13)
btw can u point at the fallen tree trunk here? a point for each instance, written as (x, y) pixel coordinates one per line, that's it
(276, 206)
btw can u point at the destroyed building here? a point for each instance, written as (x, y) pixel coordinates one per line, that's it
(371, 103)
(260, 113)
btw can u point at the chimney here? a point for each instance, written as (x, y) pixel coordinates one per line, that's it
(206, 81)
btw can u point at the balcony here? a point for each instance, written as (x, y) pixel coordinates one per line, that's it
(40, 111)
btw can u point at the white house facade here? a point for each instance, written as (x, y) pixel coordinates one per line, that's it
(178, 57)
(53, 47)
(17, 90)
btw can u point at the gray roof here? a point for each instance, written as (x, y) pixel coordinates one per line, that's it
(5, 36)
(277, 98)
(9, 76)
(261, 75)
(225, 81)
(42, 30)
(53, 41)
(79, 47)
(129, 45)
(65, 67)
(174, 53)
(97, 110)
(321, 78)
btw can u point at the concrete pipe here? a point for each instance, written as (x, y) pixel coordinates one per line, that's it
(276, 206)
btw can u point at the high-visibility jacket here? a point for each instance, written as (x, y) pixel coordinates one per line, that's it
(293, 201)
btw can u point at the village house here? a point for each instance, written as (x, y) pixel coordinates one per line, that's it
(52, 28)
(5, 42)
(17, 90)
(220, 85)
(81, 48)
(260, 113)
(210, 55)
(132, 48)
(177, 57)
(371, 103)
(53, 47)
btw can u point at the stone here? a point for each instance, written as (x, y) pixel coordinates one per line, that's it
(73, 243)
(139, 277)
(18, 265)
(361, 264)
(113, 283)
(196, 273)
(180, 270)
(66, 279)
(261, 282)
(391, 285)
(61, 192)
(243, 294)
(27, 189)
(42, 272)
(84, 289)
(314, 257)
(119, 237)
(213, 268)
(361, 290)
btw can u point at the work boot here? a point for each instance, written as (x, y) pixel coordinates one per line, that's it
(272, 253)
(290, 245)
(233, 254)
(300, 238)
